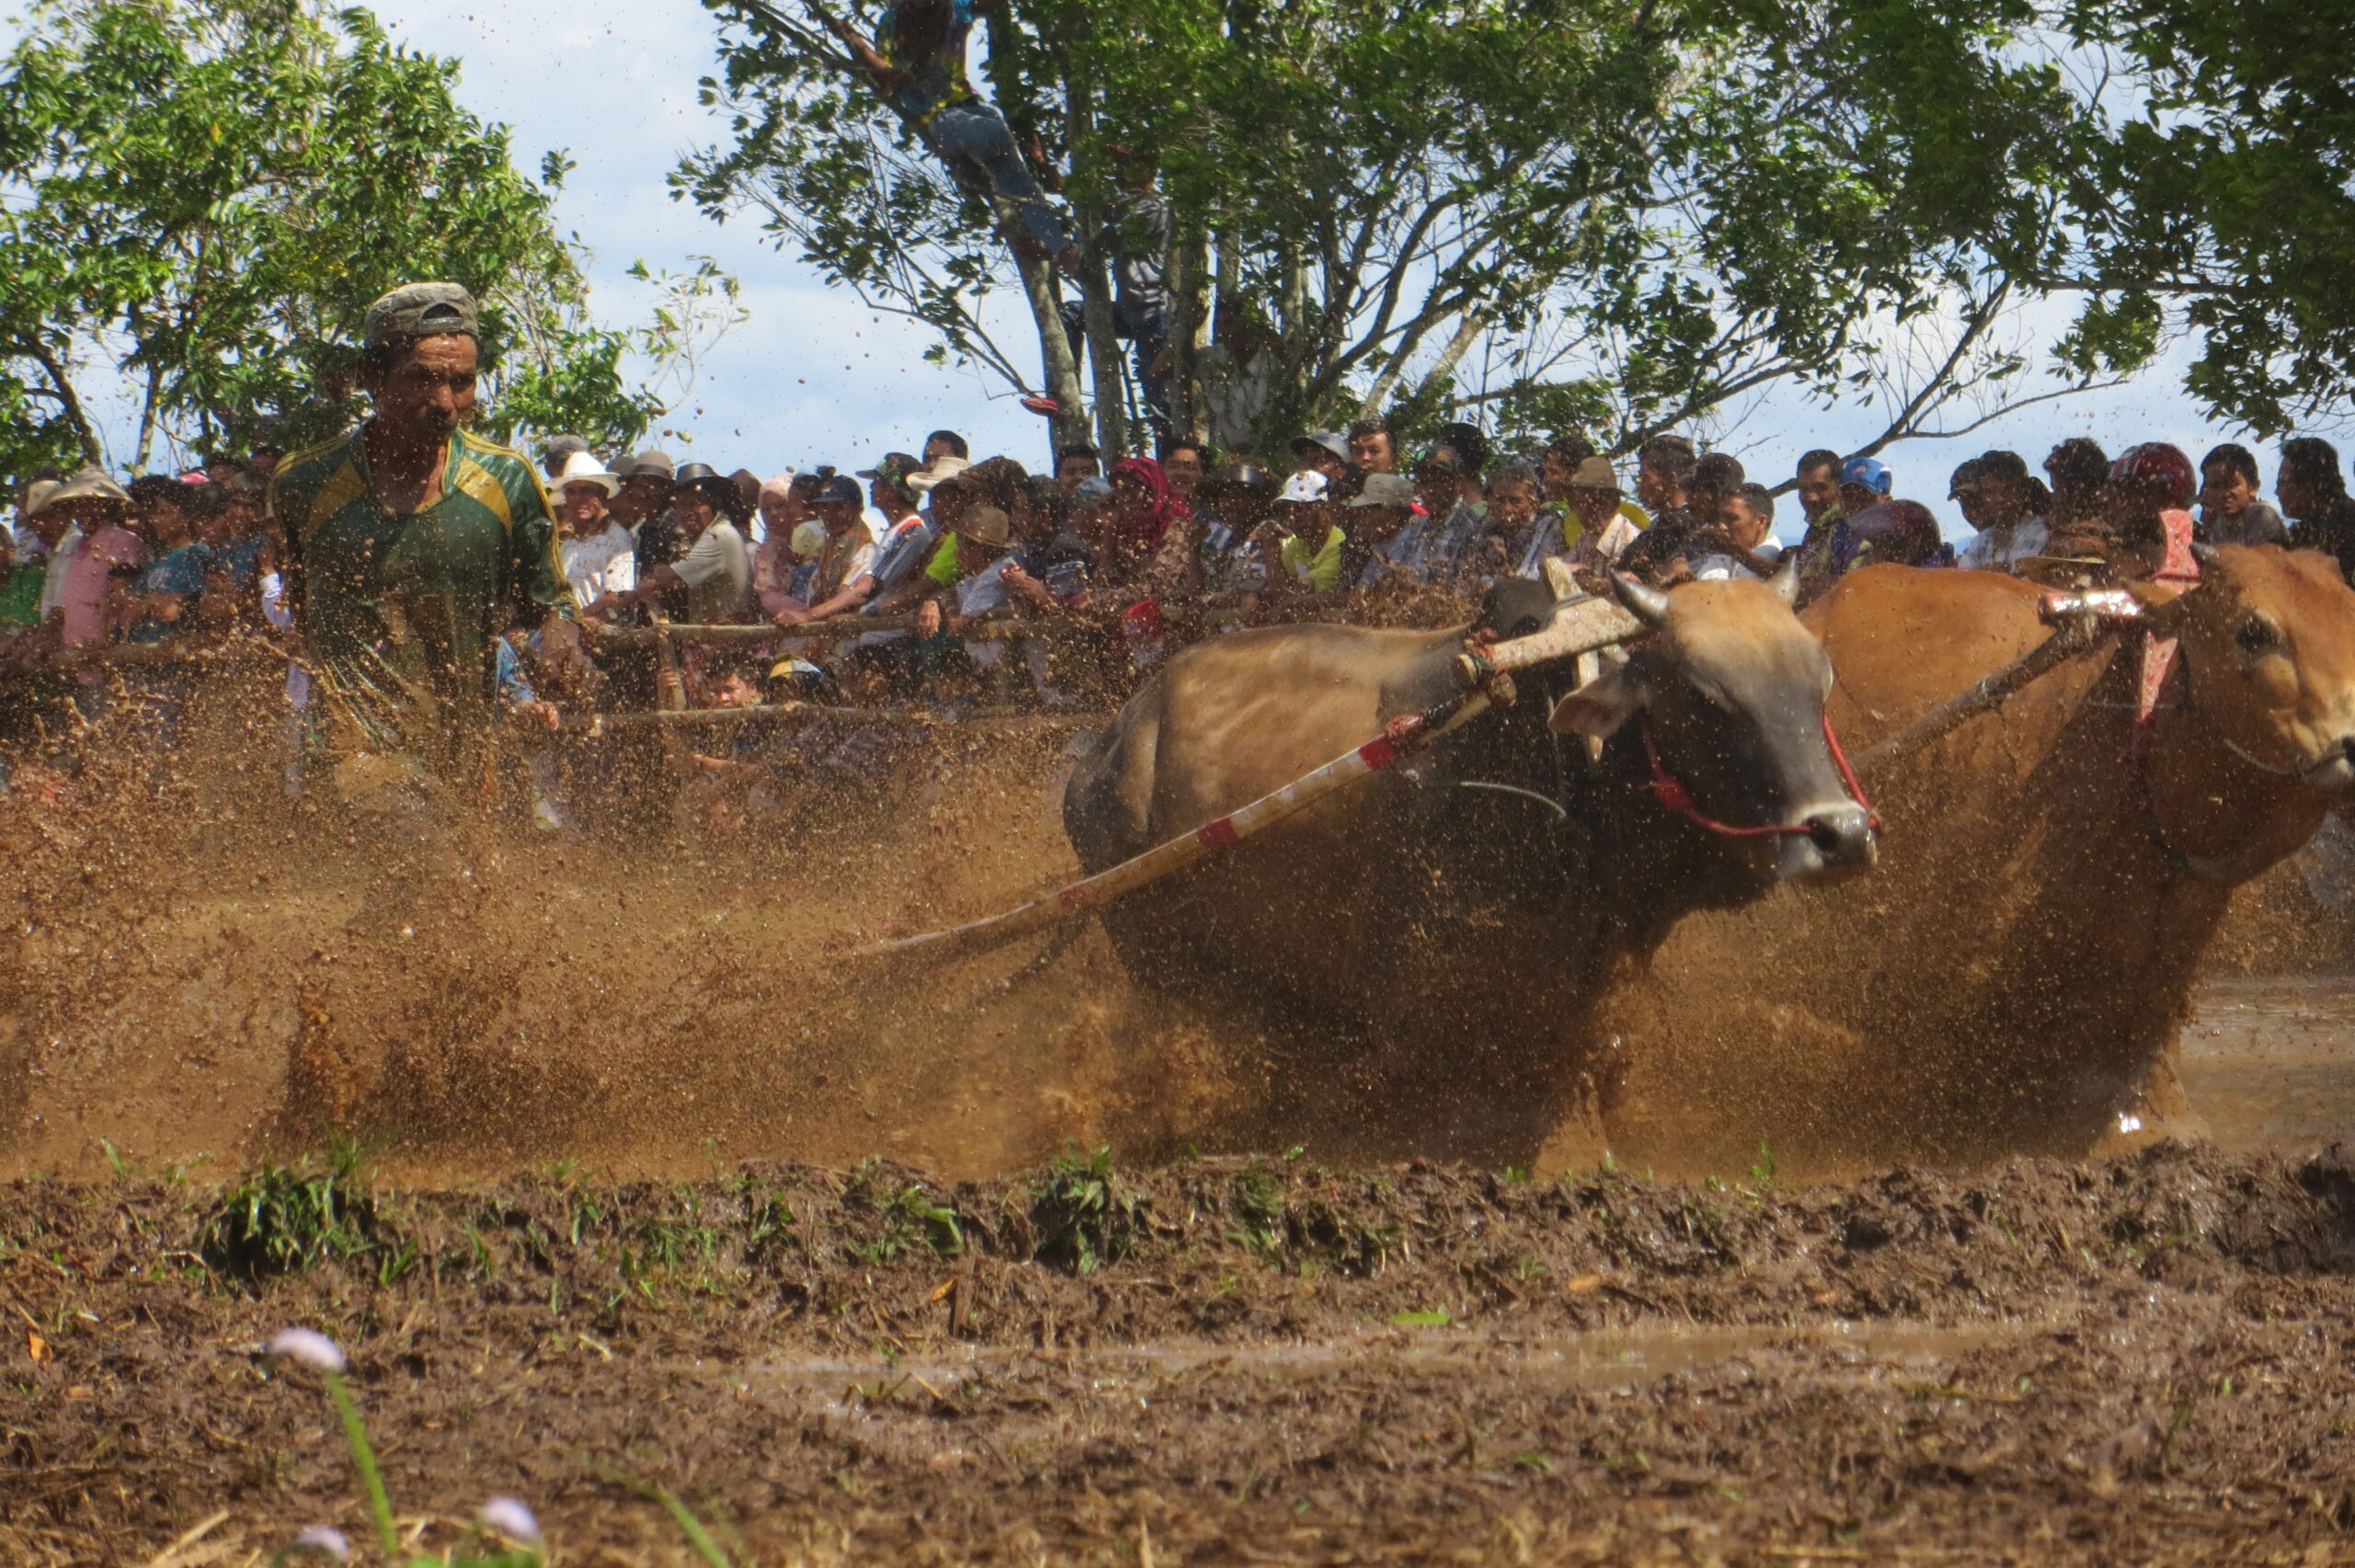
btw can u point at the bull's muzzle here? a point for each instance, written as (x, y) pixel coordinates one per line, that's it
(2334, 771)
(1838, 844)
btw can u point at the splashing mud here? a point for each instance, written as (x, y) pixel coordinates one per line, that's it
(207, 969)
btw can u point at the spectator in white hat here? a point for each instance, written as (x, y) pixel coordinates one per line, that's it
(1313, 540)
(600, 558)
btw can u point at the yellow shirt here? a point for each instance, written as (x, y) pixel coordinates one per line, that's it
(1322, 571)
(1573, 526)
(943, 567)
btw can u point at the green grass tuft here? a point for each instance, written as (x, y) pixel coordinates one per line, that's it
(1084, 1214)
(283, 1219)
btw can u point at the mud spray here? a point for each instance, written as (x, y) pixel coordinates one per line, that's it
(207, 968)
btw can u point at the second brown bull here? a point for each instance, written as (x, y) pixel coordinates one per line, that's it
(2013, 978)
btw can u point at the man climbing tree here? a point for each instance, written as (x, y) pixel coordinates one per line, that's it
(917, 58)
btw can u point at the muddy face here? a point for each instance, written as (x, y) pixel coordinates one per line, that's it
(2269, 642)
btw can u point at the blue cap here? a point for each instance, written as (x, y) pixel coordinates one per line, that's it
(1869, 472)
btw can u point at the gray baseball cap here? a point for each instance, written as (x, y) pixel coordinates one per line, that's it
(1333, 441)
(1385, 490)
(421, 310)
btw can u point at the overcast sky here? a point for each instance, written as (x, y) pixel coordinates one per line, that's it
(814, 377)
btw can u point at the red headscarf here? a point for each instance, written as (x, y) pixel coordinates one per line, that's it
(1146, 534)
(2163, 469)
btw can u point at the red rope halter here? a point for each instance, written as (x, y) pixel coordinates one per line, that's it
(1673, 794)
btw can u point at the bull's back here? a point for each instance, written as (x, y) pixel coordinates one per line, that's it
(1903, 639)
(1259, 710)
(1227, 722)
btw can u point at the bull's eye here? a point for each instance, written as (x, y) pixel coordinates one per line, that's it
(2257, 637)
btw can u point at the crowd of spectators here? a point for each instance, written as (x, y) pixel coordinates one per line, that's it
(933, 583)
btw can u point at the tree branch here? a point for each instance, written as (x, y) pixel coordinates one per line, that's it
(1980, 319)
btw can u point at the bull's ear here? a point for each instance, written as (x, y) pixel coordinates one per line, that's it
(1600, 706)
(1786, 576)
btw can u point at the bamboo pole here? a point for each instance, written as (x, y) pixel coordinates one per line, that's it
(983, 630)
(1175, 855)
(1578, 626)
(595, 725)
(146, 656)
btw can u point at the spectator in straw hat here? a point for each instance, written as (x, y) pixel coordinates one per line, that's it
(1378, 514)
(28, 558)
(643, 506)
(1595, 524)
(984, 540)
(96, 558)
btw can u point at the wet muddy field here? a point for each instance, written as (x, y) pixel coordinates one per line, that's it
(2140, 1360)
(661, 1194)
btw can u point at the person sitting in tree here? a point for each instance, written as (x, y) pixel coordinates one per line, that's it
(918, 59)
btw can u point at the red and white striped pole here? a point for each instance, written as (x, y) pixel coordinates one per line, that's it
(1578, 627)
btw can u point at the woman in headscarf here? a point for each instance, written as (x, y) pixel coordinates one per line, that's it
(1143, 506)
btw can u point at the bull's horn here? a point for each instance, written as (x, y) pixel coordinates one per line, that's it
(1786, 577)
(1649, 605)
(2203, 554)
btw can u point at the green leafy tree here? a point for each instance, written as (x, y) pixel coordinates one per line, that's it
(2215, 197)
(1575, 211)
(206, 195)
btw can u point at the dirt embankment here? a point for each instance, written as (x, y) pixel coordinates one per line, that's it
(2141, 1360)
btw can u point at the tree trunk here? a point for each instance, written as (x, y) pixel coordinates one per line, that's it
(63, 388)
(1054, 344)
(1190, 333)
(1096, 299)
(1468, 332)
(1295, 325)
(147, 419)
(1103, 348)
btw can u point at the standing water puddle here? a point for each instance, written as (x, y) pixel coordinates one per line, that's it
(2272, 1062)
(1604, 1358)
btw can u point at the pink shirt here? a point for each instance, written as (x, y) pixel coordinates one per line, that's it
(773, 574)
(88, 570)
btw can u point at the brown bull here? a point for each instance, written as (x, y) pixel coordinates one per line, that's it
(2013, 976)
(1431, 939)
